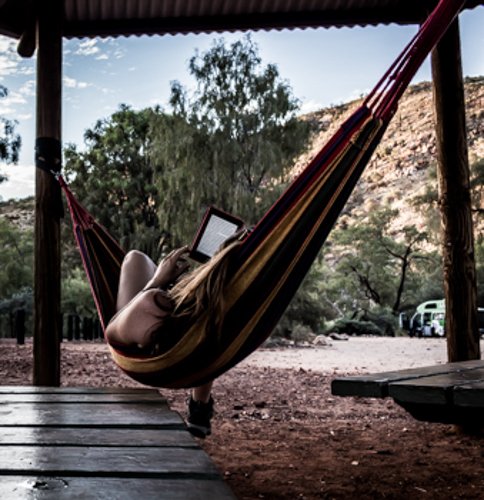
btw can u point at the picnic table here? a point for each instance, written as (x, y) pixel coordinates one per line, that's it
(64, 443)
(451, 393)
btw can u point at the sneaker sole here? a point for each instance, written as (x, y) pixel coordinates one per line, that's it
(198, 431)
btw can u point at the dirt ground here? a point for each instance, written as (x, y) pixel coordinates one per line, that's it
(278, 432)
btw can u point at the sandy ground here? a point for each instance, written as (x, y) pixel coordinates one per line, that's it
(358, 354)
(279, 433)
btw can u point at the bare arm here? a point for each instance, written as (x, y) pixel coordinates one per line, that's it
(169, 269)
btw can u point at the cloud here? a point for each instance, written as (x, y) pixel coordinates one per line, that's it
(69, 82)
(11, 64)
(8, 57)
(72, 83)
(310, 106)
(98, 49)
(20, 183)
(28, 88)
(9, 105)
(87, 48)
(26, 116)
(14, 98)
(119, 53)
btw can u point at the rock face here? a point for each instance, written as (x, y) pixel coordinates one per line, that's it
(20, 213)
(404, 164)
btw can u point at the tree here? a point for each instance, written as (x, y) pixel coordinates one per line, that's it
(379, 262)
(10, 142)
(76, 294)
(428, 204)
(17, 259)
(148, 175)
(114, 177)
(237, 137)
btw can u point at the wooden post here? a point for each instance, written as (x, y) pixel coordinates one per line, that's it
(455, 202)
(47, 215)
(20, 326)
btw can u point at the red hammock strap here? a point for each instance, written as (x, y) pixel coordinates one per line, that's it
(100, 253)
(383, 99)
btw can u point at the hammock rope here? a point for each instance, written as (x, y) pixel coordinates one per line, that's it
(275, 257)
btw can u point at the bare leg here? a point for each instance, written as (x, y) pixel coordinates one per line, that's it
(137, 269)
(202, 393)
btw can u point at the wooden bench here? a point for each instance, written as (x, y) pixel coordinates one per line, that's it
(59, 443)
(448, 393)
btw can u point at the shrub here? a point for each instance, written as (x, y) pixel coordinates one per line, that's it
(355, 327)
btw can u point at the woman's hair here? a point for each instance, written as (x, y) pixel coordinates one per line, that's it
(202, 290)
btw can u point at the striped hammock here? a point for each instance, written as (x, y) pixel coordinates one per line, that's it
(274, 258)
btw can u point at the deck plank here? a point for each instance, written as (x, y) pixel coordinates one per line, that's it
(376, 384)
(470, 395)
(120, 437)
(89, 488)
(74, 398)
(98, 461)
(450, 393)
(29, 389)
(437, 389)
(65, 443)
(92, 414)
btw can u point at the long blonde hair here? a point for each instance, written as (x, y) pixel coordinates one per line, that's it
(202, 290)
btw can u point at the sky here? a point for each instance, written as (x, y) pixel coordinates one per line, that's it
(322, 66)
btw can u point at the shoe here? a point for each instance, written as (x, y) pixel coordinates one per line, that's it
(199, 415)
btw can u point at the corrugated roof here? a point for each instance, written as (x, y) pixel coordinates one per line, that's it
(89, 18)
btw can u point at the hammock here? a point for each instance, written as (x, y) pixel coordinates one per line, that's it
(274, 258)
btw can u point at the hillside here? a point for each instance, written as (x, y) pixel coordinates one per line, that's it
(401, 167)
(405, 161)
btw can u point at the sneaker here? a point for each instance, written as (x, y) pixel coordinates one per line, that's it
(199, 415)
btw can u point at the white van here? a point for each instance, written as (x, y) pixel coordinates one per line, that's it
(429, 319)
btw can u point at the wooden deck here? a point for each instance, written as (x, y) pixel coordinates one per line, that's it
(58, 443)
(449, 393)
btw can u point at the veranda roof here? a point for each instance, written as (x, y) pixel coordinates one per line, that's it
(93, 18)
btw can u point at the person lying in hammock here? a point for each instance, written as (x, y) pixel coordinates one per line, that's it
(150, 297)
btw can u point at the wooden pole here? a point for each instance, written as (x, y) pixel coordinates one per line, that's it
(47, 215)
(455, 201)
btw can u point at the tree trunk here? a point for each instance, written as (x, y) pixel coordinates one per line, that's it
(455, 201)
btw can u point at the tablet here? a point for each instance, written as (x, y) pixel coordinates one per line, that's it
(215, 228)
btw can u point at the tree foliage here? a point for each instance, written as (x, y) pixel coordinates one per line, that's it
(149, 174)
(76, 294)
(234, 141)
(114, 177)
(10, 141)
(428, 204)
(385, 269)
(16, 271)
